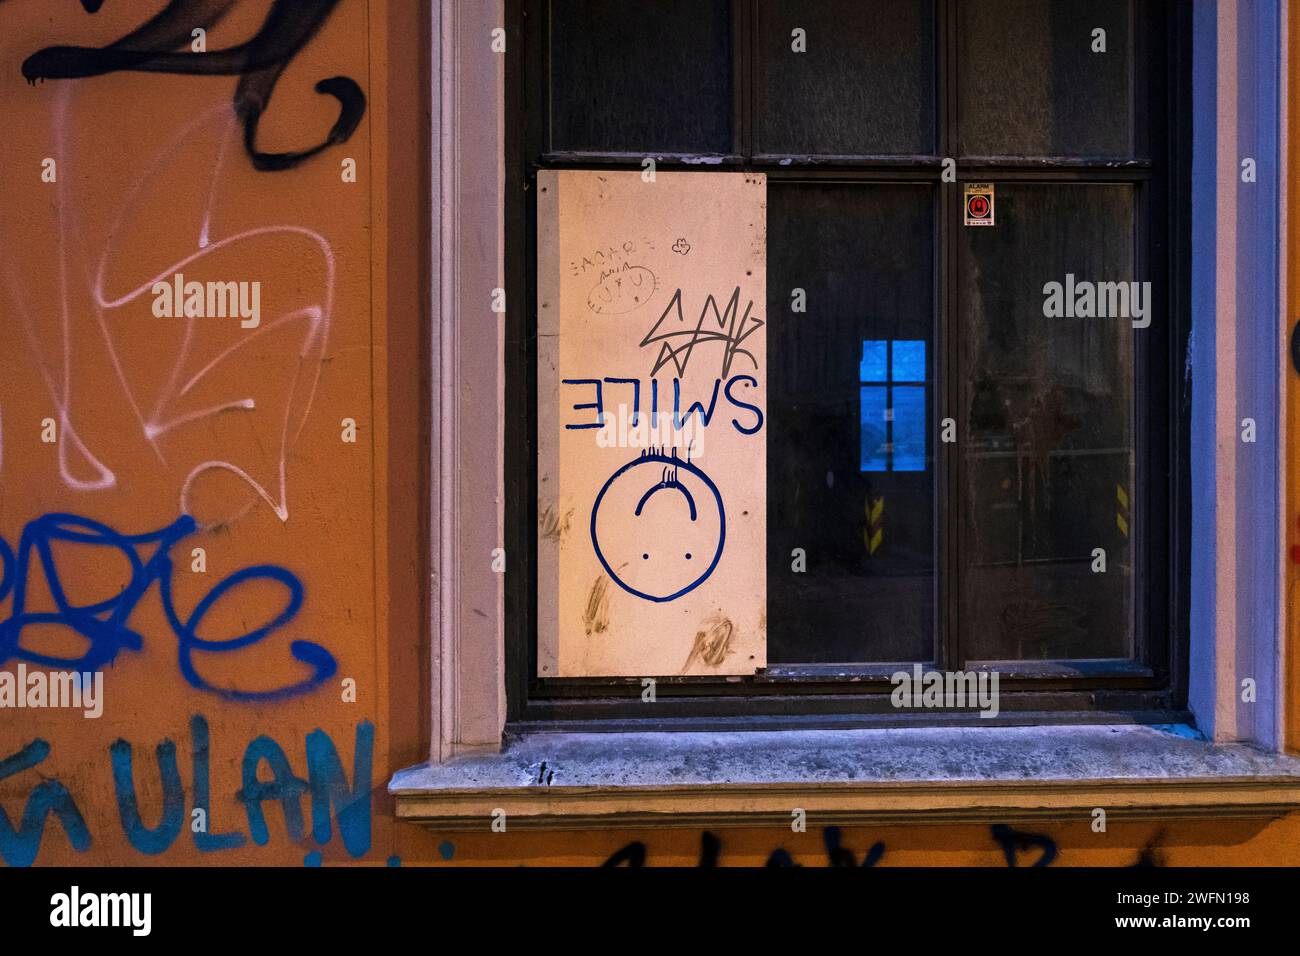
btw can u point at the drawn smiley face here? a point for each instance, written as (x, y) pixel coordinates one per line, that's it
(658, 526)
(622, 290)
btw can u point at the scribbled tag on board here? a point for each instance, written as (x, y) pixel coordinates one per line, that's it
(652, 469)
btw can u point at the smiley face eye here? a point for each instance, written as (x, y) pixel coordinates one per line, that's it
(645, 557)
(688, 556)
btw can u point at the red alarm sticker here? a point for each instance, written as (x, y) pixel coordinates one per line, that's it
(979, 204)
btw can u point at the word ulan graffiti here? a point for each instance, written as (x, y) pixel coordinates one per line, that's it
(332, 800)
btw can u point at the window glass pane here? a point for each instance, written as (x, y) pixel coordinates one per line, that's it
(908, 361)
(873, 401)
(849, 462)
(630, 76)
(1029, 83)
(907, 420)
(875, 361)
(1047, 437)
(864, 83)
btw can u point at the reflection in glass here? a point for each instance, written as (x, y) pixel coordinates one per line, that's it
(1048, 434)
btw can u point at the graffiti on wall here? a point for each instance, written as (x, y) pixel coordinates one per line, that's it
(334, 803)
(156, 47)
(105, 623)
(202, 360)
(168, 318)
(1019, 848)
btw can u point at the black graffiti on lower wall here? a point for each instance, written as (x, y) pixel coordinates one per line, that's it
(1013, 841)
(258, 62)
(1018, 847)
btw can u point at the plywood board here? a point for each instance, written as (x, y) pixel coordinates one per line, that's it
(651, 381)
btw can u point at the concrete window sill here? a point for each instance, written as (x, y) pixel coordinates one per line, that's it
(949, 774)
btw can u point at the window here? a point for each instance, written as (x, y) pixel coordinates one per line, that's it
(971, 433)
(891, 408)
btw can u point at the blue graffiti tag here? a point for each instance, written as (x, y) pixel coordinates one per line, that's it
(105, 624)
(334, 801)
(19, 846)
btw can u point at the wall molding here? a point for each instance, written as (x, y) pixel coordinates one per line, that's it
(1236, 361)
(467, 607)
(921, 775)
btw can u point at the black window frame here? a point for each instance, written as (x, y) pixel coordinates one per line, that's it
(1151, 689)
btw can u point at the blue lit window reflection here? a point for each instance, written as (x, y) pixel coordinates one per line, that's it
(892, 404)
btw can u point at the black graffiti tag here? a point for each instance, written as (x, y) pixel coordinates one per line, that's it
(258, 62)
(1013, 843)
(678, 340)
(1014, 840)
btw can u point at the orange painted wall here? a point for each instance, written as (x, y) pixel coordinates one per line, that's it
(1170, 843)
(157, 417)
(152, 177)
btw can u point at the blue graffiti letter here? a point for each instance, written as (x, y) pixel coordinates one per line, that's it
(329, 786)
(19, 847)
(283, 786)
(155, 841)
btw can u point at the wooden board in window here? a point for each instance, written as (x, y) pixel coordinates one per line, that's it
(652, 478)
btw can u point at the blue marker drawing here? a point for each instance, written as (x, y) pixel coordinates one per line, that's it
(671, 566)
(669, 480)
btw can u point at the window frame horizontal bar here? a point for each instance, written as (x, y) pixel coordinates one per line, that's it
(1064, 669)
(689, 160)
(967, 166)
(824, 702)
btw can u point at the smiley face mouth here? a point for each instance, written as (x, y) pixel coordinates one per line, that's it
(669, 481)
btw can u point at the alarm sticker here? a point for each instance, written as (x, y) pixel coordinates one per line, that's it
(979, 204)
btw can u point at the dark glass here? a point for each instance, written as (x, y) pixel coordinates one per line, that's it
(1029, 83)
(851, 488)
(1047, 427)
(631, 76)
(863, 85)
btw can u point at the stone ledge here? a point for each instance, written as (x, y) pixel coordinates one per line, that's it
(948, 774)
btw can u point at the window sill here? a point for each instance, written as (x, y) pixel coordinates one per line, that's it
(934, 775)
